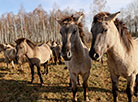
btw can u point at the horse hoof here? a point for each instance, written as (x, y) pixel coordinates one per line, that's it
(42, 84)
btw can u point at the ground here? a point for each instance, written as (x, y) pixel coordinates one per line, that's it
(15, 87)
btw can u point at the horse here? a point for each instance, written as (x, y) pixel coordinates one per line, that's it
(111, 36)
(56, 49)
(35, 54)
(9, 53)
(75, 53)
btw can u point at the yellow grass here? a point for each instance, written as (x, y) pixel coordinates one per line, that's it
(14, 86)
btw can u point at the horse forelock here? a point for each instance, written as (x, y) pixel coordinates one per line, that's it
(66, 20)
(121, 27)
(100, 17)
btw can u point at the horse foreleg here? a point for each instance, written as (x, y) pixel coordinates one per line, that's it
(46, 67)
(38, 72)
(130, 87)
(114, 79)
(78, 82)
(32, 72)
(74, 86)
(136, 86)
(85, 86)
(55, 57)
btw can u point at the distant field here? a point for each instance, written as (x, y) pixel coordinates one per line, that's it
(14, 85)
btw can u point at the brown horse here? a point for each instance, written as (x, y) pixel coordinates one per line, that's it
(35, 54)
(56, 49)
(75, 53)
(9, 53)
(112, 37)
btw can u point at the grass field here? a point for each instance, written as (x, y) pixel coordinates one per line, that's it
(14, 86)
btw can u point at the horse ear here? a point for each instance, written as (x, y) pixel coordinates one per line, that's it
(59, 21)
(80, 18)
(112, 17)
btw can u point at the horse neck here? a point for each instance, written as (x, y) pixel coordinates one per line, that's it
(30, 52)
(118, 51)
(77, 49)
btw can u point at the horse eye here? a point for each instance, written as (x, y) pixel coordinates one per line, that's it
(104, 30)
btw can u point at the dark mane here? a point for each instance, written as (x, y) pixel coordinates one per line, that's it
(69, 19)
(12, 44)
(122, 29)
(30, 43)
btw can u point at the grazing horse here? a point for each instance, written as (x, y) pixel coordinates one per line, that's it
(35, 54)
(111, 36)
(75, 53)
(9, 53)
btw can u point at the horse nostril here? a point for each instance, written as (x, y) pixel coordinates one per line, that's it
(69, 54)
(96, 55)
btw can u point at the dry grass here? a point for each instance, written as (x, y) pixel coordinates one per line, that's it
(14, 86)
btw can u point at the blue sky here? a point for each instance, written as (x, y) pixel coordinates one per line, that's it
(29, 5)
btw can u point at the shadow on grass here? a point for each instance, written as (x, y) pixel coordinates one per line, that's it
(16, 90)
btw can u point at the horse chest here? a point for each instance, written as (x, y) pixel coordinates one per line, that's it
(79, 67)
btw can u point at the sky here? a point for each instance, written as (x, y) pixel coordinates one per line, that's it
(29, 5)
(7, 6)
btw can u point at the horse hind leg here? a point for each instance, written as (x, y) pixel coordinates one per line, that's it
(55, 58)
(85, 86)
(32, 72)
(38, 72)
(136, 86)
(46, 67)
(114, 79)
(130, 87)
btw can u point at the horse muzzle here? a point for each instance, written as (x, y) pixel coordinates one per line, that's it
(67, 56)
(95, 56)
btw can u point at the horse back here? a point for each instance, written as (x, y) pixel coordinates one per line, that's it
(43, 53)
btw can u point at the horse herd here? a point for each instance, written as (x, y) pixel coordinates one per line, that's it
(109, 36)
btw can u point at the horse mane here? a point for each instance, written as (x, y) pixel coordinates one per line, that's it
(29, 42)
(65, 20)
(122, 29)
(11, 44)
